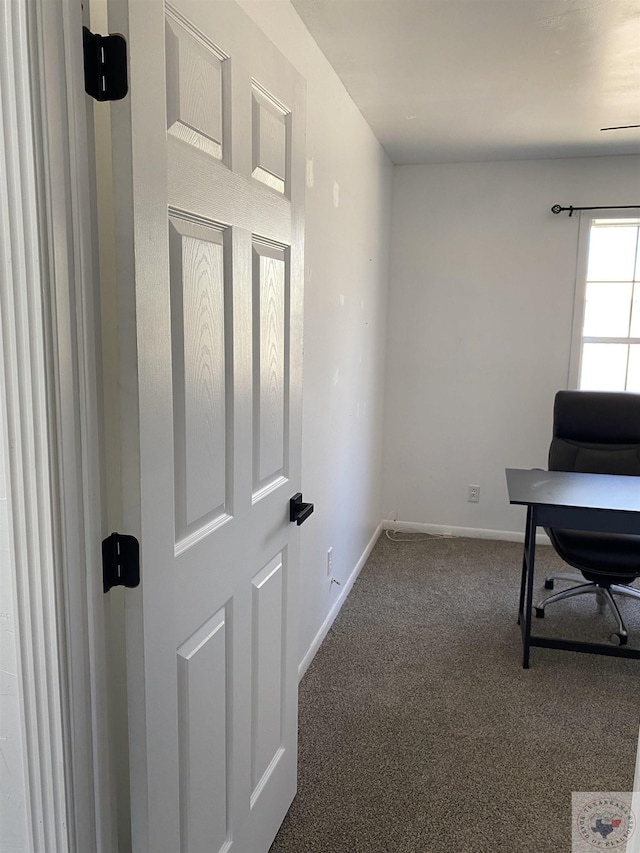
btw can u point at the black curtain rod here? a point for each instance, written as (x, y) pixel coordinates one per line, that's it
(558, 209)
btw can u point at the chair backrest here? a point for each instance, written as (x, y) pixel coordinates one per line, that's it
(596, 432)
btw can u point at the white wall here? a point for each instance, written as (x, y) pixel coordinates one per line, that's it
(482, 291)
(347, 215)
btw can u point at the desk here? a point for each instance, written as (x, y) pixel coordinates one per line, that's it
(569, 500)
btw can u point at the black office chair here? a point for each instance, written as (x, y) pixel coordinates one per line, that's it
(596, 432)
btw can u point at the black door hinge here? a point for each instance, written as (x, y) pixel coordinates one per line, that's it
(120, 561)
(105, 66)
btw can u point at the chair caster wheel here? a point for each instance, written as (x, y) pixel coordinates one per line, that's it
(548, 584)
(619, 639)
(539, 612)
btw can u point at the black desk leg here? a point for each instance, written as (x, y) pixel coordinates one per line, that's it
(529, 556)
(523, 579)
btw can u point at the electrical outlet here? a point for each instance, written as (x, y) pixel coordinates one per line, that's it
(330, 562)
(474, 494)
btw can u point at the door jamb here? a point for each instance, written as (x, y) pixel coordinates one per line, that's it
(60, 524)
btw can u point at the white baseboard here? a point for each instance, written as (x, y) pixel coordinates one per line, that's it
(465, 532)
(344, 592)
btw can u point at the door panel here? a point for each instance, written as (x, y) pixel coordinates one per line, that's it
(267, 670)
(203, 733)
(197, 91)
(211, 366)
(270, 134)
(271, 356)
(201, 312)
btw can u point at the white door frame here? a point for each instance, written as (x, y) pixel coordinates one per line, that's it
(53, 414)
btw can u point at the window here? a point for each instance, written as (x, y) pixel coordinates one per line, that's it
(608, 315)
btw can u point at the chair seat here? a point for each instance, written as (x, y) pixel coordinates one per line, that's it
(616, 556)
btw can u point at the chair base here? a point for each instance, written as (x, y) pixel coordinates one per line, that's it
(602, 593)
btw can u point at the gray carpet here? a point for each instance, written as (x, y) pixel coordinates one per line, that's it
(421, 733)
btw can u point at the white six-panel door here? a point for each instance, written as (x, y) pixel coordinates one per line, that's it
(209, 171)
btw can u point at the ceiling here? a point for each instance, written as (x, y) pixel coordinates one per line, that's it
(466, 80)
